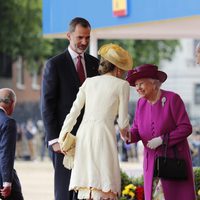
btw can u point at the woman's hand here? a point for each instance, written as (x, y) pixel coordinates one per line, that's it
(125, 135)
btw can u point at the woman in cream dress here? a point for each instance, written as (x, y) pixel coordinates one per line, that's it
(96, 171)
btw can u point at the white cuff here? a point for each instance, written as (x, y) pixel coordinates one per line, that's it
(51, 142)
(7, 184)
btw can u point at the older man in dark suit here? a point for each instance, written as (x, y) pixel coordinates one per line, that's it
(9, 182)
(62, 77)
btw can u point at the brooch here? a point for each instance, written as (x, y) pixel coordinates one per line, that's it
(163, 100)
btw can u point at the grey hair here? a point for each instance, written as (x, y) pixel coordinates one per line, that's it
(156, 82)
(7, 96)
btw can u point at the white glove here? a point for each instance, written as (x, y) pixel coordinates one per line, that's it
(154, 143)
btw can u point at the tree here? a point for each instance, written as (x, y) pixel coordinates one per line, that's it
(21, 36)
(147, 51)
(21, 32)
(10, 26)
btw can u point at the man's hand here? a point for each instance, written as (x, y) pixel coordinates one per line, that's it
(154, 143)
(56, 147)
(6, 191)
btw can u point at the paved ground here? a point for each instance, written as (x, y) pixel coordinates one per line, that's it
(37, 177)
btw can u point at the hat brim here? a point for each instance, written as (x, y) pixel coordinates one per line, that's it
(117, 56)
(159, 75)
(126, 65)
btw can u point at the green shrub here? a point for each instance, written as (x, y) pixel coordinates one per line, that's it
(132, 188)
(197, 181)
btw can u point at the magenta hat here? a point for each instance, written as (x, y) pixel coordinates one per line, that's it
(145, 71)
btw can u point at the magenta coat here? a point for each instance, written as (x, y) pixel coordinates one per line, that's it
(167, 115)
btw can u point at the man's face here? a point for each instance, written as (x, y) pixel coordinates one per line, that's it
(79, 39)
(198, 54)
(11, 108)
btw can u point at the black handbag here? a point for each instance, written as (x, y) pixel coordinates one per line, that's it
(170, 168)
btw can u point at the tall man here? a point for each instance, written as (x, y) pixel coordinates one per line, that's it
(10, 187)
(62, 78)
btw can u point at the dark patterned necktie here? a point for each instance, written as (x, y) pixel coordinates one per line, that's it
(80, 70)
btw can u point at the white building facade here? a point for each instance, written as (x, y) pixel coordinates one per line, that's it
(184, 76)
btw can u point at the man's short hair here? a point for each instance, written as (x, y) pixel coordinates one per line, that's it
(9, 97)
(78, 20)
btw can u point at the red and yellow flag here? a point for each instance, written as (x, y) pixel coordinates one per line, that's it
(119, 7)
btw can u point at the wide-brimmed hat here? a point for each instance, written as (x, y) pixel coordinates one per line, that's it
(117, 56)
(145, 71)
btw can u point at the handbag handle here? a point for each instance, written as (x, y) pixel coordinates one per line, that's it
(165, 146)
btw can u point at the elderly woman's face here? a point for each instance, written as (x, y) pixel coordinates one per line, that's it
(198, 54)
(145, 87)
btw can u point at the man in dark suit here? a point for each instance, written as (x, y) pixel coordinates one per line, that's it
(9, 182)
(60, 85)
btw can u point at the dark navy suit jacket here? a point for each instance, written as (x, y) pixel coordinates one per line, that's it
(59, 88)
(8, 133)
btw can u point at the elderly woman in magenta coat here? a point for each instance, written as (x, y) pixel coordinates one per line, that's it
(159, 112)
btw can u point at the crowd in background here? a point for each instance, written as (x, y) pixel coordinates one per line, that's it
(31, 145)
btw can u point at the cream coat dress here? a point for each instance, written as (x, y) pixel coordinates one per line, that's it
(96, 171)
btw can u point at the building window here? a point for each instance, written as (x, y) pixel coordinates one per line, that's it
(6, 66)
(20, 74)
(197, 94)
(35, 85)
